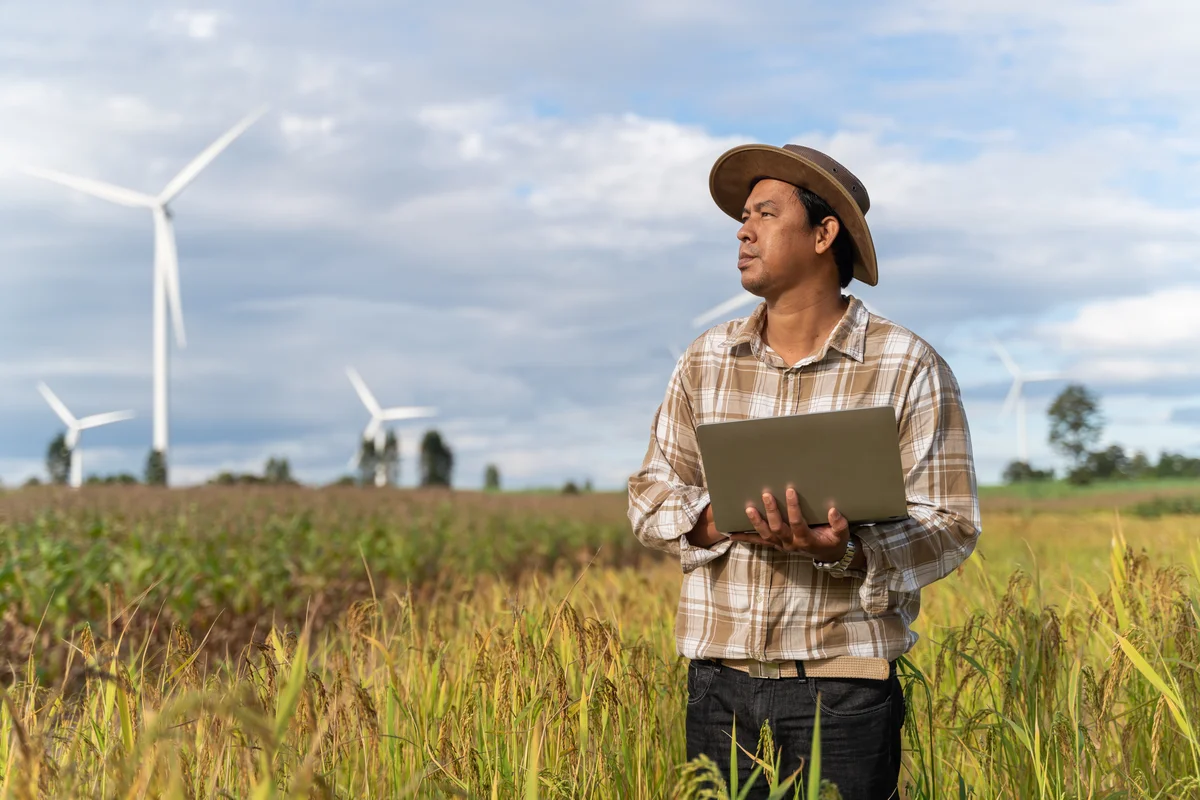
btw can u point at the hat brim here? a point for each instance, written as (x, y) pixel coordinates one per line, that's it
(736, 170)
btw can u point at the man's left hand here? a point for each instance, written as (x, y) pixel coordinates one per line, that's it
(821, 542)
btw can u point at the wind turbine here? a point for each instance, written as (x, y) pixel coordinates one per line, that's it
(166, 257)
(1016, 395)
(76, 426)
(737, 301)
(379, 415)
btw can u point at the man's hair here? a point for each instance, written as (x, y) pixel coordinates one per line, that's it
(843, 247)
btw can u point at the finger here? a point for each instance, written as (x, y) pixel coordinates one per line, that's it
(774, 518)
(839, 523)
(793, 508)
(798, 532)
(760, 524)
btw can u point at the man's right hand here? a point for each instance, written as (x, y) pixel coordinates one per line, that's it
(705, 533)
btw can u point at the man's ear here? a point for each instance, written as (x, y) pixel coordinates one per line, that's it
(825, 233)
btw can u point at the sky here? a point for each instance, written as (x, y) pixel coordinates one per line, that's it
(501, 211)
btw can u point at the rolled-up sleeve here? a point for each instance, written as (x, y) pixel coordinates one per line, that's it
(668, 494)
(943, 504)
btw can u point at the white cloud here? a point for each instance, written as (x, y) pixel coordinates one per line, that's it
(313, 132)
(199, 24)
(1162, 321)
(1117, 50)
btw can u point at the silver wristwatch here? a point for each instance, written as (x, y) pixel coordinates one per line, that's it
(838, 568)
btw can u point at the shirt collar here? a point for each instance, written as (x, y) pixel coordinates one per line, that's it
(849, 336)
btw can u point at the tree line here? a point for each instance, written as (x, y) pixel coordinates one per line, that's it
(1076, 428)
(436, 467)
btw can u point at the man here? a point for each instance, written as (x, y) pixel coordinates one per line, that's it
(772, 619)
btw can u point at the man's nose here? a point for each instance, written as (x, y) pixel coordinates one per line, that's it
(746, 232)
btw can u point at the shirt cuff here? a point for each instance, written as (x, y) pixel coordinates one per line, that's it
(691, 556)
(873, 593)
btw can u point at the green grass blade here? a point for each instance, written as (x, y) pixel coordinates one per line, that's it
(814, 759)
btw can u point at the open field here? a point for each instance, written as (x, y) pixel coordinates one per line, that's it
(520, 645)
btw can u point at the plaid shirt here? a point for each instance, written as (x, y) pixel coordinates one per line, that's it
(748, 601)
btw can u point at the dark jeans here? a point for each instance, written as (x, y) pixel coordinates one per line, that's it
(860, 726)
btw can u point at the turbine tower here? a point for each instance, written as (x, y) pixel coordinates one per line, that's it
(76, 426)
(379, 415)
(724, 309)
(166, 257)
(1016, 396)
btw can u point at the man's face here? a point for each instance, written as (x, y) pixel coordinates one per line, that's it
(777, 244)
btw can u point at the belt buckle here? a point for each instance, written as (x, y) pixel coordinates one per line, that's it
(764, 669)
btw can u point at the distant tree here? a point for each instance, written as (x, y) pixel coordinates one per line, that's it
(366, 462)
(156, 469)
(32, 480)
(491, 478)
(346, 480)
(1109, 464)
(387, 460)
(1021, 472)
(1140, 467)
(229, 478)
(570, 487)
(1177, 465)
(391, 459)
(278, 471)
(121, 479)
(437, 462)
(587, 485)
(58, 460)
(1075, 423)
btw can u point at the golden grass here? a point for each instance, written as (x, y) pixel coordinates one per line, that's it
(1060, 662)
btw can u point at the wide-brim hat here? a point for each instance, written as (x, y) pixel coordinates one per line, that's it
(736, 171)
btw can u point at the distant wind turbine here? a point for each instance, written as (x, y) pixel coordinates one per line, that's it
(76, 426)
(379, 415)
(166, 257)
(1016, 395)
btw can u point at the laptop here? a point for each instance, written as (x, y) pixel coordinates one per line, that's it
(849, 460)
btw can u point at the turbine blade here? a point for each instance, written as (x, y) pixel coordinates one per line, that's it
(105, 191)
(72, 438)
(96, 420)
(59, 407)
(723, 309)
(407, 412)
(1009, 364)
(197, 165)
(167, 259)
(372, 429)
(364, 393)
(1011, 399)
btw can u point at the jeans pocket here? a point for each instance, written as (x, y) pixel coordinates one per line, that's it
(699, 678)
(852, 697)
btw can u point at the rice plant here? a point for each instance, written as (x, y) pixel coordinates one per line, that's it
(304, 645)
